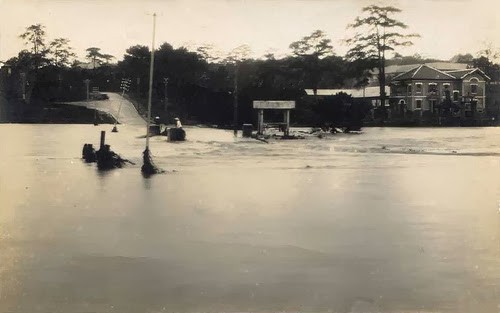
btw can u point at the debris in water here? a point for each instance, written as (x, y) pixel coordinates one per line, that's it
(175, 134)
(149, 168)
(88, 153)
(107, 159)
(259, 137)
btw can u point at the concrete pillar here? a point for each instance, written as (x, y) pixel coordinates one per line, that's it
(260, 122)
(286, 116)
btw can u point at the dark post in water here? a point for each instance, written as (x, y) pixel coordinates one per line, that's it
(103, 138)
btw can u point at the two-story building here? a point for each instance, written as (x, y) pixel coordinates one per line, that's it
(427, 89)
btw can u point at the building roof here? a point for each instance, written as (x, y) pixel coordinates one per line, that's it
(442, 66)
(423, 72)
(398, 69)
(88, 65)
(448, 66)
(368, 92)
(463, 73)
(460, 73)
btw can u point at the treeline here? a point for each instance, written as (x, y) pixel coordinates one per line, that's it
(200, 85)
(197, 85)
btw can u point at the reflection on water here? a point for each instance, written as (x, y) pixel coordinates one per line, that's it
(392, 220)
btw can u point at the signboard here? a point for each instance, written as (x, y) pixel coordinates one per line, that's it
(275, 105)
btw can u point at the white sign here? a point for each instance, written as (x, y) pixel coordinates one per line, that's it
(276, 105)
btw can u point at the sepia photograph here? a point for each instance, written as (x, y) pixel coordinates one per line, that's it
(249, 156)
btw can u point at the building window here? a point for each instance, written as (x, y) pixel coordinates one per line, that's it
(480, 104)
(418, 87)
(433, 106)
(473, 88)
(446, 87)
(446, 92)
(409, 90)
(418, 104)
(456, 93)
(433, 88)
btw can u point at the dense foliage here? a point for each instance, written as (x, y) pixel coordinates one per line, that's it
(200, 86)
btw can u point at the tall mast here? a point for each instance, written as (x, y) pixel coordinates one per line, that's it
(151, 66)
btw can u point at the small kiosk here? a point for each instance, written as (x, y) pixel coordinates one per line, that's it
(285, 106)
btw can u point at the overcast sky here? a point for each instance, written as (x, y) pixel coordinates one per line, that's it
(447, 27)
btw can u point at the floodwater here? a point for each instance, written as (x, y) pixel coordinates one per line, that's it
(390, 220)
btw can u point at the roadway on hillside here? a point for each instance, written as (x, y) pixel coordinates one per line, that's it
(127, 114)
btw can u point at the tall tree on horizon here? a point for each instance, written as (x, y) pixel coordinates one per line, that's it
(316, 44)
(487, 61)
(107, 58)
(376, 33)
(490, 52)
(34, 35)
(209, 53)
(236, 56)
(135, 60)
(95, 56)
(61, 52)
(309, 51)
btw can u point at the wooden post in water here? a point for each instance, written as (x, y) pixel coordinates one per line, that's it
(103, 138)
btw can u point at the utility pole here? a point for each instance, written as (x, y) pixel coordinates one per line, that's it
(148, 168)
(235, 99)
(87, 83)
(124, 86)
(165, 108)
(23, 86)
(59, 87)
(150, 93)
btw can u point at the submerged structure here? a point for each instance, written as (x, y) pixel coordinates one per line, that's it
(176, 134)
(284, 106)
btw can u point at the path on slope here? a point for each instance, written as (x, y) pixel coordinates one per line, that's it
(128, 113)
